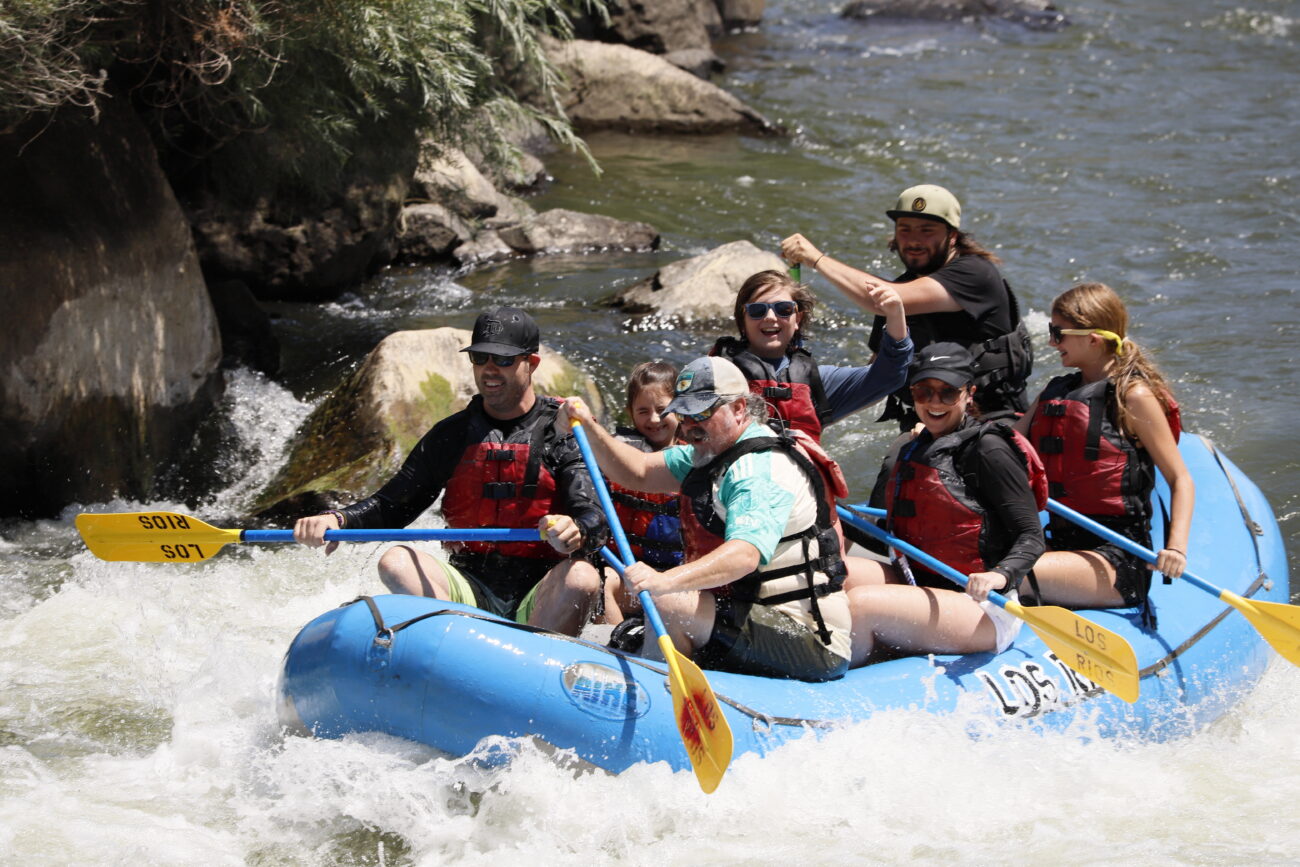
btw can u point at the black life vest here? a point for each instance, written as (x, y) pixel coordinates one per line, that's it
(1002, 364)
(1092, 467)
(503, 483)
(795, 396)
(650, 521)
(933, 501)
(704, 529)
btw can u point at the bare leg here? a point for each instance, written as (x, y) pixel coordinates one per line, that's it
(1078, 579)
(566, 597)
(917, 620)
(688, 616)
(865, 572)
(415, 573)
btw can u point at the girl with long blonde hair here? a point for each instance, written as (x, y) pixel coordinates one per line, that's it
(1101, 432)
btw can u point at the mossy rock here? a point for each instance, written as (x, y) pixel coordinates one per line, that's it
(358, 437)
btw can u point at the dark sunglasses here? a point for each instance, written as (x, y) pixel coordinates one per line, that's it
(947, 395)
(482, 358)
(1056, 333)
(758, 309)
(700, 416)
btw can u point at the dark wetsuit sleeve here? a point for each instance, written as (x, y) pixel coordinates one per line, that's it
(1004, 491)
(418, 483)
(575, 493)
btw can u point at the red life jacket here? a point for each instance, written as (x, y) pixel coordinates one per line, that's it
(650, 521)
(704, 529)
(1092, 466)
(933, 503)
(503, 484)
(795, 396)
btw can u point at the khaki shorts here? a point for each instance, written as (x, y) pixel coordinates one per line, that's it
(468, 590)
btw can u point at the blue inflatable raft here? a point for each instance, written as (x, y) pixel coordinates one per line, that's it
(449, 676)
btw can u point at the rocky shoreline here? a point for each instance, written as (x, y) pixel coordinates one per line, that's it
(127, 297)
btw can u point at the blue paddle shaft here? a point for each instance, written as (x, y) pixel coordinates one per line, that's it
(448, 534)
(915, 553)
(651, 613)
(1146, 554)
(615, 527)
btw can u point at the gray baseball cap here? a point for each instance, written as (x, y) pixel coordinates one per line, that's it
(705, 381)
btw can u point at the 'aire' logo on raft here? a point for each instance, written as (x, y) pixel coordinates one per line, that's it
(604, 692)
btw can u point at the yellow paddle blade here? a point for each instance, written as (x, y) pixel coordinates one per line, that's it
(151, 537)
(1098, 654)
(700, 721)
(1278, 622)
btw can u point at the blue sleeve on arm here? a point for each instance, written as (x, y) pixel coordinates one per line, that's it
(849, 389)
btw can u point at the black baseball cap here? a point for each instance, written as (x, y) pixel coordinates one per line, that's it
(947, 362)
(504, 331)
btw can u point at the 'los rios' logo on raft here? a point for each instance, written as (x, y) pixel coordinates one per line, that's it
(1028, 689)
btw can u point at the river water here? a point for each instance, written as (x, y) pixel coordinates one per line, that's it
(1151, 146)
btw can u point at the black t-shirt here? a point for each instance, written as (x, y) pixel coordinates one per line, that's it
(978, 286)
(429, 466)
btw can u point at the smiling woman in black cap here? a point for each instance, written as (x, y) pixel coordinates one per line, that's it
(960, 490)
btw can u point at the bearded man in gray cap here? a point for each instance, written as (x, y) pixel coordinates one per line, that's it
(761, 587)
(953, 292)
(501, 463)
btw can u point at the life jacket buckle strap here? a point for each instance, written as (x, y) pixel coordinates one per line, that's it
(778, 392)
(498, 490)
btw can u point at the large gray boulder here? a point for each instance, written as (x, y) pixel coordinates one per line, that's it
(700, 288)
(1034, 14)
(562, 231)
(305, 252)
(739, 14)
(358, 437)
(111, 352)
(656, 26)
(621, 88)
(452, 180)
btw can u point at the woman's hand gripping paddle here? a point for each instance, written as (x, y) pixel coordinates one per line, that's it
(703, 728)
(1278, 622)
(170, 537)
(1098, 654)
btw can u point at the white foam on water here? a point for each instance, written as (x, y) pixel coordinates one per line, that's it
(139, 719)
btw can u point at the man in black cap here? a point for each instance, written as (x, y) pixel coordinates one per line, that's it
(500, 462)
(952, 290)
(760, 589)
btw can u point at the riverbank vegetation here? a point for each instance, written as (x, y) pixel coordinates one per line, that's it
(275, 97)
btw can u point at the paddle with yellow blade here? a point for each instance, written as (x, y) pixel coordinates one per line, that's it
(700, 722)
(1278, 622)
(1098, 654)
(170, 537)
